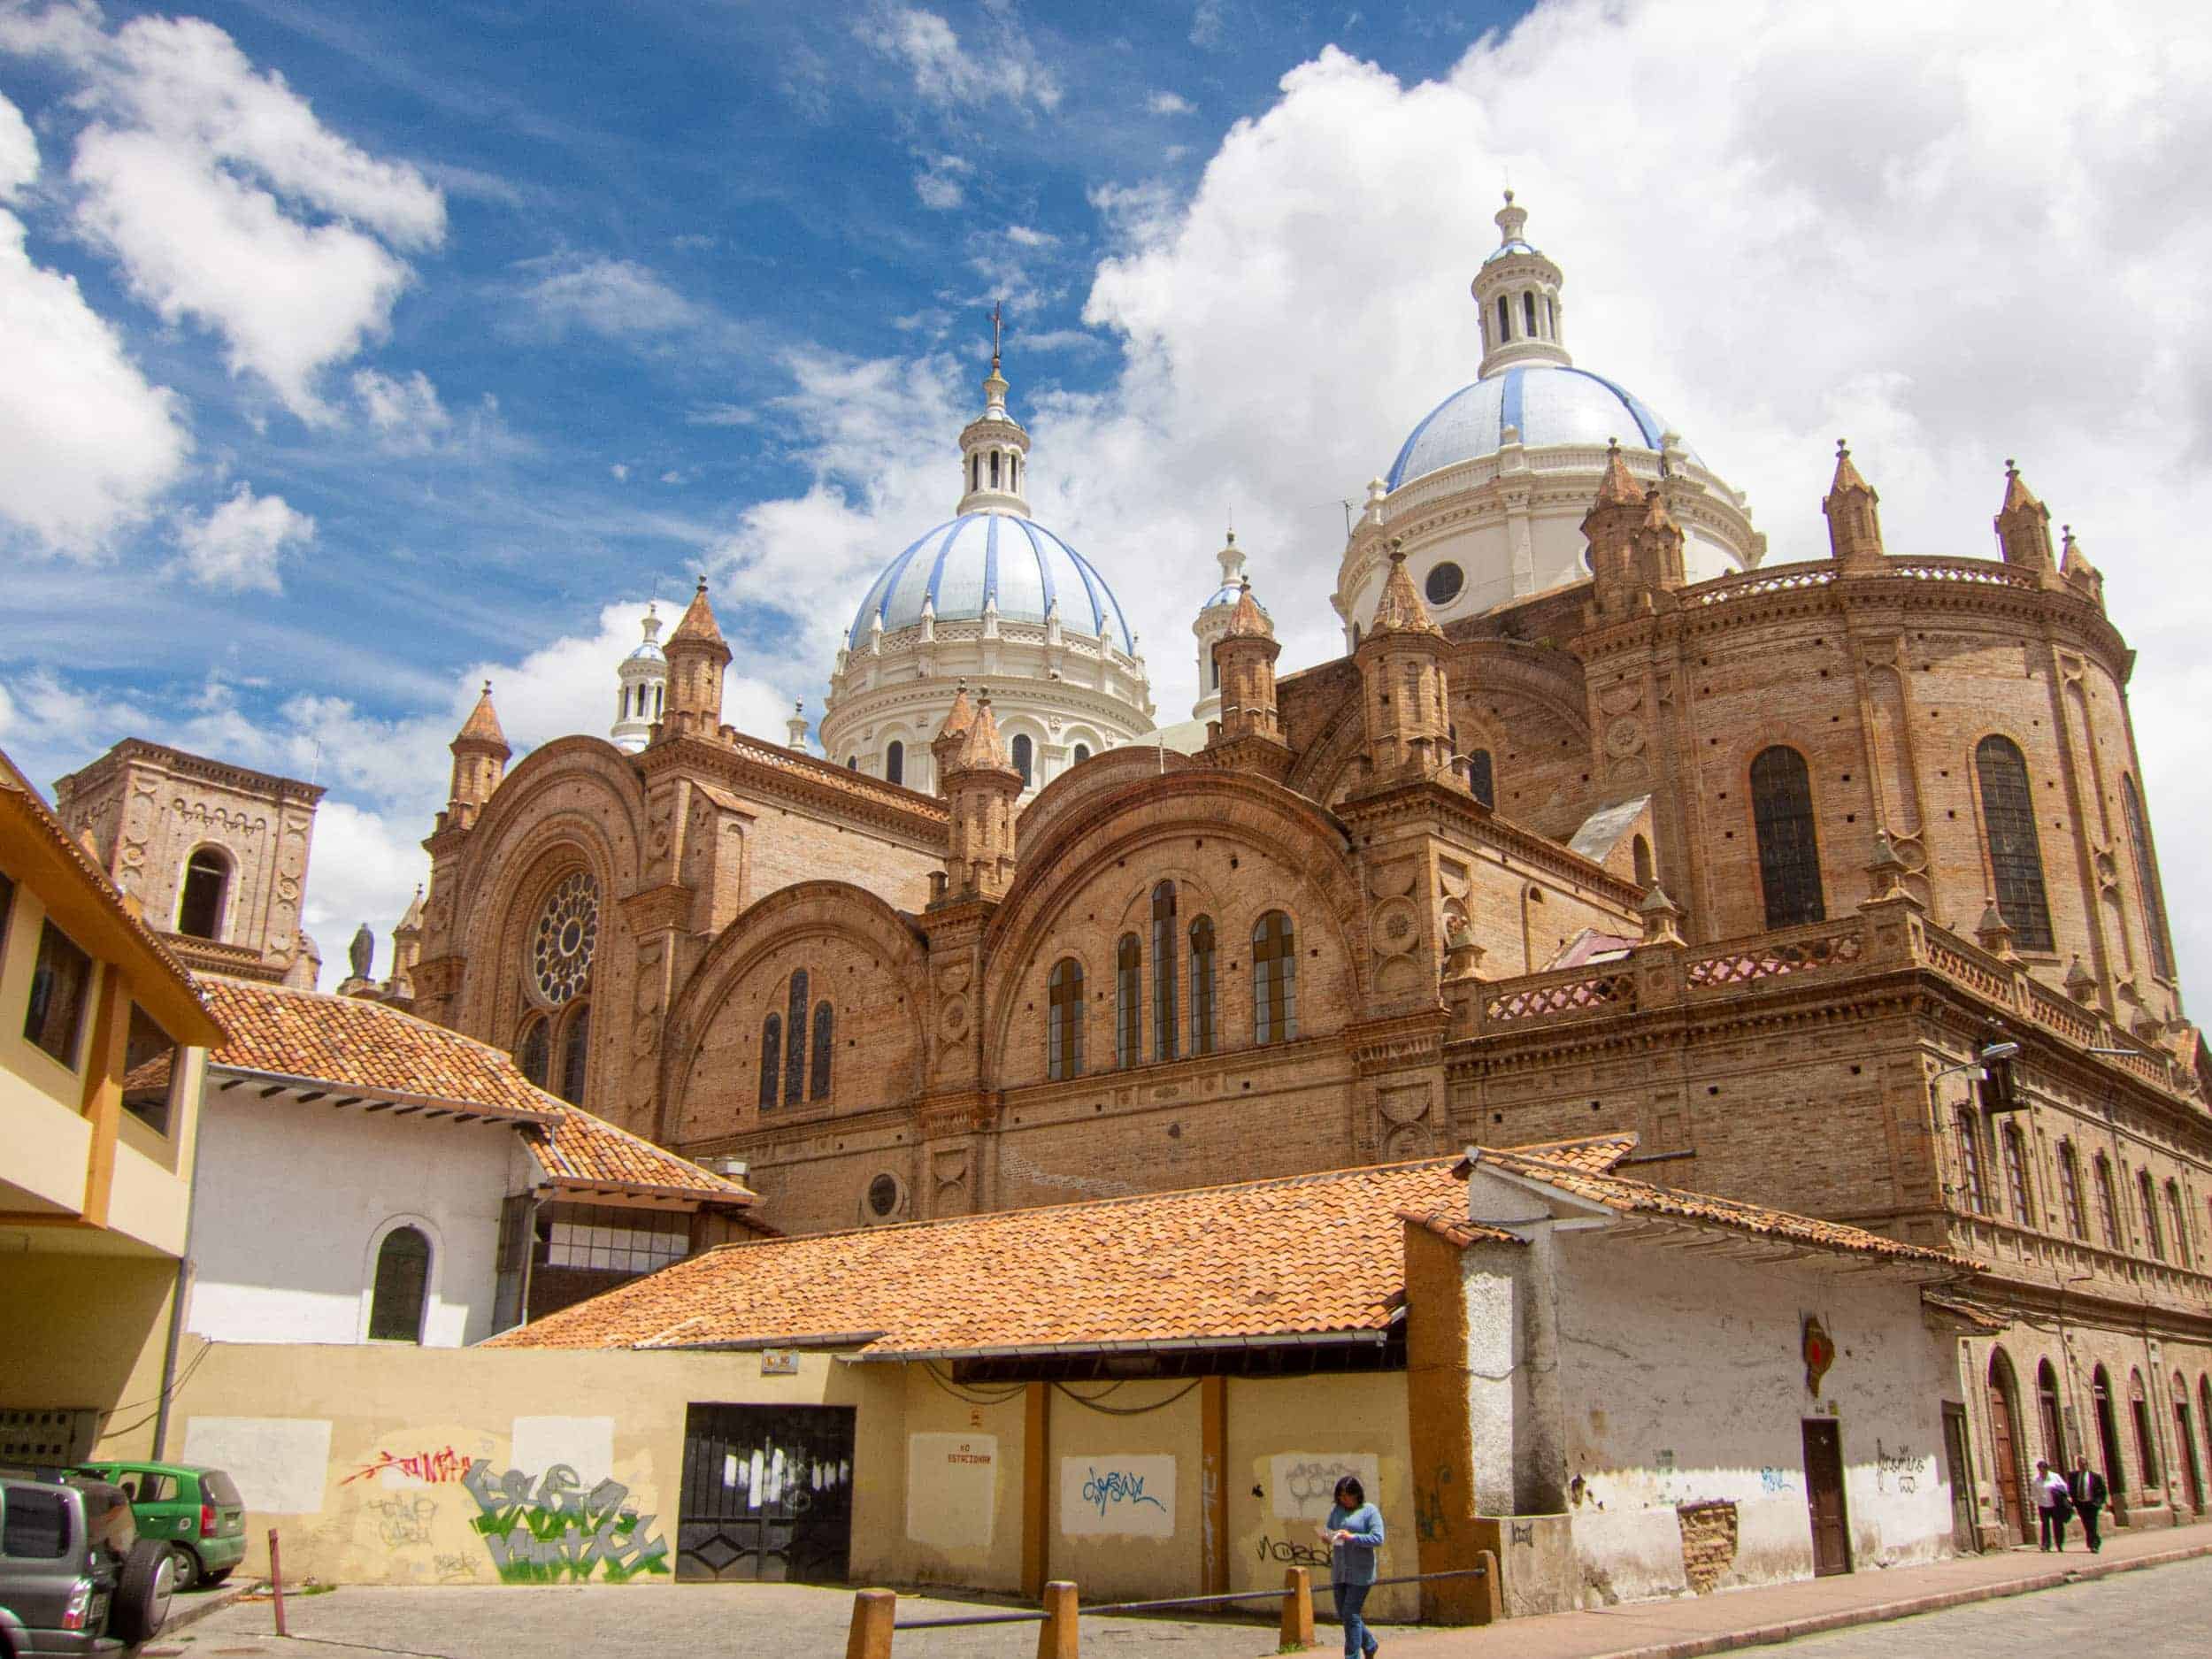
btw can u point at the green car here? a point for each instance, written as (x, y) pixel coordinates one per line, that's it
(197, 1512)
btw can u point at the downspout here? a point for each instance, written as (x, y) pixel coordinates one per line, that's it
(177, 1293)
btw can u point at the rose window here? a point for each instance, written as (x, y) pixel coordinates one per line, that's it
(567, 931)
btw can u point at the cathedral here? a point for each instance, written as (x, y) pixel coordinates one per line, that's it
(1834, 883)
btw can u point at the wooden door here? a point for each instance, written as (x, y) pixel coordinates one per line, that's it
(1823, 1496)
(1965, 1536)
(2003, 1431)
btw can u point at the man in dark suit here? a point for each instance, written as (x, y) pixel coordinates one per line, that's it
(2089, 1494)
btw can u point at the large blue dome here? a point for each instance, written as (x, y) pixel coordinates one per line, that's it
(959, 564)
(1549, 403)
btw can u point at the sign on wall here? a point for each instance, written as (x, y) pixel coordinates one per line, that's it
(1301, 1485)
(278, 1462)
(1118, 1494)
(951, 1490)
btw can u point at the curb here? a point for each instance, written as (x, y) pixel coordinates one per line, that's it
(1764, 1635)
(201, 1606)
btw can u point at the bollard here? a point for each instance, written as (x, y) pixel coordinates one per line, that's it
(1055, 1637)
(1297, 1607)
(1489, 1589)
(874, 1611)
(276, 1580)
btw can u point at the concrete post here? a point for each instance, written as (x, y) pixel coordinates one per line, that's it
(874, 1614)
(1297, 1608)
(1055, 1637)
(1489, 1598)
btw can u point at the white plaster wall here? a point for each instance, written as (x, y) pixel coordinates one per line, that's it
(290, 1200)
(1681, 1381)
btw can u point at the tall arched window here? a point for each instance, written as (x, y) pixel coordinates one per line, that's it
(1789, 851)
(1481, 782)
(1164, 940)
(895, 763)
(2046, 1408)
(533, 1053)
(575, 1053)
(1025, 754)
(1274, 979)
(2107, 1204)
(2146, 878)
(794, 1041)
(995, 469)
(1128, 1031)
(1063, 1020)
(825, 1039)
(2179, 1217)
(1971, 1182)
(659, 692)
(1505, 321)
(2017, 1176)
(397, 1299)
(2146, 1447)
(2153, 1236)
(2016, 857)
(1528, 308)
(200, 904)
(2069, 1189)
(771, 1059)
(1204, 998)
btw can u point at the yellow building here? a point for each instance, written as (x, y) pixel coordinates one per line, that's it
(103, 1037)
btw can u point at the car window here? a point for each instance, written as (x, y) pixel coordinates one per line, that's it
(154, 1488)
(216, 1487)
(34, 1524)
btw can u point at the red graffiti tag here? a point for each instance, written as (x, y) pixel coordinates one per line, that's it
(432, 1468)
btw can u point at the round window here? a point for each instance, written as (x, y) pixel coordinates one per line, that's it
(883, 1194)
(1445, 581)
(566, 934)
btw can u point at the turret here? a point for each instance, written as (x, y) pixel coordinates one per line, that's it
(1854, 526)
(1401, 666)
(1611, 526)
(981, 786)
(1245, 659)
(407, 946)
(1658, 545)
(696, 658)
(2079, 574)
(479, 761)
(1212, 625)
(1517, 289)
(2024, 528)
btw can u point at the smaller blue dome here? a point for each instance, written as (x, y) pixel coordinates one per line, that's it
(1549, 403)
(1504, 248)
(649, 652)
(999, 558)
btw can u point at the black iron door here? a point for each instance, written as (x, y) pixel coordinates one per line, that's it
(767, 1493)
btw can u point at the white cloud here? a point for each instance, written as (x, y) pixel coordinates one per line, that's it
(1209, 23)
(946, 74)
(1170, 104)
(721, 415)
(621, 472)
(19, 152)
(1029, 236)
(615, 297)
(226, 202)
(939, 185)
(408, 414)
(238, 546)
(363, 867)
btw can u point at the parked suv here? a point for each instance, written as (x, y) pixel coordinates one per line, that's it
(196, 1511)
(75, 1578)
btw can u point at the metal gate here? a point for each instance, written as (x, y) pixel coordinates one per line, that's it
(767, 1493)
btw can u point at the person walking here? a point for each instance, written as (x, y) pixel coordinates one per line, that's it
(1354, 1532)
(2090, 1496)
(2052, 1503)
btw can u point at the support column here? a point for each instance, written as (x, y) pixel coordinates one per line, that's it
(1036, 1487)
(1213, 1487)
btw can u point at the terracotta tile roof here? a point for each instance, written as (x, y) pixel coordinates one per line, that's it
(482, 726)
(1264, 1261)
(1570, 1174)
(349, 1042)
(1971, 1313)
(1595, 1154)
(697, 622)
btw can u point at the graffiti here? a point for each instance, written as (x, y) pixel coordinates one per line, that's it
(1522, 1532)
(1430, 1518)
(430, 1468)
(403, 1520)
(1288, 1552)
(1312, 1482)
(1774, 1480)
(453, 1569)
(1900, 1465)
(1305, 1483)
(1208, 1492)
(557, 1533)
(1115, 1487)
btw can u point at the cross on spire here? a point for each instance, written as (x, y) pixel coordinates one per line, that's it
(995, 332)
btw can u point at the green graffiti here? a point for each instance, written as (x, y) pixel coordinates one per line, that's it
(554, 1532)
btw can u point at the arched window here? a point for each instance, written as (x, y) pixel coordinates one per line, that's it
(975, 472)
(794, 1041)
(825, 1039)
(659, 691)
(1551, 318)
(1023, 753)
(1640, 851)
(2069, 1189)
(1505, 321)
(1082, 753)
(1164, 940)
(1127, 987)
(995, 469)
(895, 763)
(1063, 1020)
(1528, 310)
(1204, 999)
(402, 1288)
(200, 905)
(771, 1059)
(575, 1053)
(2179, 1217)
(625, 703)
(533, 1053)
(2146, 878)
(2017, 1176)
(2146, 1447)
(2107, 1204)
(2046, 1408)
(1971, 1183)
(1274, 979)
(1013, 471)
(852, 762)
(2016, 857)
(1480, 781)
(2153, 1235)
(1789, 852)
(2107, 1428)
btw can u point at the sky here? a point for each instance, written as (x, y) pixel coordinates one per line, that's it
(352, 355)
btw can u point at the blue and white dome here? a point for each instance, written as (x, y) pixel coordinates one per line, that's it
(992, 555)
(1550, 404)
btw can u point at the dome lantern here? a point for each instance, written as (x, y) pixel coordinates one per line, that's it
(994, 449)
(641, 688)
(1516, 290)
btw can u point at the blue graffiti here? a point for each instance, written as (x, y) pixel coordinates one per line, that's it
(1117, 1486)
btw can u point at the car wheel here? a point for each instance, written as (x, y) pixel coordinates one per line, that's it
(187, 1567)
(142, 1595)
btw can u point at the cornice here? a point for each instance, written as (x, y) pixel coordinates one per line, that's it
(761, 770)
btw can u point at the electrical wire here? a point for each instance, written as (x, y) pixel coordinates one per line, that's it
(929, 1369)
(1127, 1411)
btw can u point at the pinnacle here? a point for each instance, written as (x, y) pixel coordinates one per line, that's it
(482, 726)
(1247, 621)
(981, 749)
(698, 620)
(1848, 476)
(1400, 610)
(2018, 495)
(1617, 488)
(959, 716)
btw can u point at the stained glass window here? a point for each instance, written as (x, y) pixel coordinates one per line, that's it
(534, 1054)
(1789, 851)
(1164, 988)
(1480, 779)
(2108, 1206)
(1274, 979)
(2017, 1177)
(2069, 1189)
(771, 1058)
(1063, 1020)
(794, 1041)
(575, 1054)
(1204, 997)
(825, 1039)
(1128, 963)
(2016, 857)
(1975, 1188)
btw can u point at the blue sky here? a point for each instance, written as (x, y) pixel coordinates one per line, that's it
(400, 346)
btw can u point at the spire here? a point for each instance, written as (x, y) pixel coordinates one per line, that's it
(650, 622)
(1400, 610)
(1854, 529)
(994, 449)
(482, 726)
(1617, 488)
(1230, 559)
(1658, 543)
(2023, 526)
(697, 654)
(957, 720)
(1517, 289)
(2082, 577)
(980, 747)
(980, 785)
(697, 622)
(1247, 620)
(1243, 661)
(479, 761)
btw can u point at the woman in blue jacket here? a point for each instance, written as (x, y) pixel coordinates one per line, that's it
(1355, 1532)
